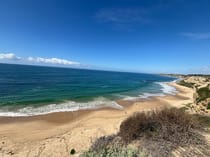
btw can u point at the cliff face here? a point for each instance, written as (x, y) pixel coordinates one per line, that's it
(201, 86)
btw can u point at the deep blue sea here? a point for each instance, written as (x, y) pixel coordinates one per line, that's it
(32, 90)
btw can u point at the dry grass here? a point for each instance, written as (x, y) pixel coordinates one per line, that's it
(169, 124)
(111, 146)
(103, 142)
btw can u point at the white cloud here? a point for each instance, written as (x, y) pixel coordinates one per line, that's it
(205, 69)
(9, 56)
(197, 36)
(200, 70)
(52, 61)
(12, 58)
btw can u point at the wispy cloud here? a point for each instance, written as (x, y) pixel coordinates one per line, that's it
(123, 18)
(52, 61)
(205, 69)
(200, 70)
(9, 56)
(197, 36)
(122, 15)
(37, 60)
(133, 16)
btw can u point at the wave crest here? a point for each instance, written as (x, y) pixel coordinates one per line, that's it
(62, 107)
(165, 88)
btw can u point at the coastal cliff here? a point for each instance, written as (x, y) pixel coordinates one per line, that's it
(201, 95)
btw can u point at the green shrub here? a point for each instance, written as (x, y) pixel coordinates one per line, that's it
(186, 84)
(170, 124)
(203, 94)
(208, 106)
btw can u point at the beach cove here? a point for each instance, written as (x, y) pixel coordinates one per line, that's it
(55, 134)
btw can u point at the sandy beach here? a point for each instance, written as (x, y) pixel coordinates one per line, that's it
(56, 134)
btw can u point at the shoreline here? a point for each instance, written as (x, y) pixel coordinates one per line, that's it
(117, 104)
(55, 134)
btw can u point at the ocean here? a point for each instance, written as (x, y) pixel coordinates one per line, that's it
(35, 90)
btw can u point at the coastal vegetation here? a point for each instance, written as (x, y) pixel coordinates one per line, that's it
(186, 84)
(202, 120)
(203, 94)
(114, 151)
(153, 133)
(201, 87)
(208, 107)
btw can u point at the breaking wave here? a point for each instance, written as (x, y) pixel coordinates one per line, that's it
(99, 102)
(62, 107)
(165, 88)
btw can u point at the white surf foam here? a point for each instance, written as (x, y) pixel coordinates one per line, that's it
(75, 106)
(63, 107)
(167, 89)
(130, 98)
(148, 95)
(143, 96)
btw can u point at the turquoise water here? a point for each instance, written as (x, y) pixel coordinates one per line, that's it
(30, 90)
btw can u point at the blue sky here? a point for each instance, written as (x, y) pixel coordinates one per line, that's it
(154, 36)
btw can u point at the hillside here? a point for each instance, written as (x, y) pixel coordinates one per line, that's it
(201, 96)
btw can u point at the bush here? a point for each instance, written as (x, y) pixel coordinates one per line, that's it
(102, 142)
(114, 151)
(170, 124)
(203, 120)
(186, 84)
(208, 106)
(111, 146)
(203, 94)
